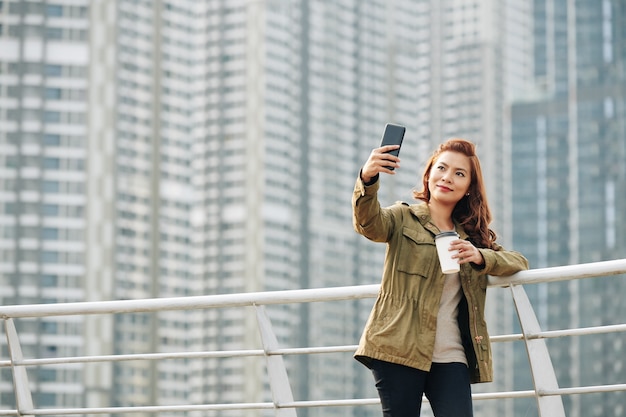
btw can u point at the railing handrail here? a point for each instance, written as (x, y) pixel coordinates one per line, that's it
(532, 276)
(546, 391)
(562, 273)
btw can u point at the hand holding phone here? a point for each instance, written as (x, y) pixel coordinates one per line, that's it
(393, 135)
(378, 160)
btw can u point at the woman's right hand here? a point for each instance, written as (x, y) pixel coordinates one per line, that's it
(380, 161)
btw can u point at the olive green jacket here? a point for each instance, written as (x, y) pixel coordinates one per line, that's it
(402, 324)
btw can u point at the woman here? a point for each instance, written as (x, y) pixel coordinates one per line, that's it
(426, 334)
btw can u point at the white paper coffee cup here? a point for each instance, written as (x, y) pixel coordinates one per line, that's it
(442, 240)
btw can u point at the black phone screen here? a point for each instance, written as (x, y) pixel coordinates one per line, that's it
(393, 135)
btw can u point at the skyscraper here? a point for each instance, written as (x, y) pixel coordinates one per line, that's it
(160, 148)
(43, 90)
(569, 142)
(97, 195)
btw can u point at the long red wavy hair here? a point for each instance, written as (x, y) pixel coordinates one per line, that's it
(472, 211)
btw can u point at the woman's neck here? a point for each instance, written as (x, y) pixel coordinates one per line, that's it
(442, 216)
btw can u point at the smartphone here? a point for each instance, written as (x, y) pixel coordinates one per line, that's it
(393, 135)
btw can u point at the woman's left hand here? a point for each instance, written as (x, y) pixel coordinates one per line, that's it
(466, 252)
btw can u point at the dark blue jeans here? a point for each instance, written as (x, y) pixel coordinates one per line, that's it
(400, 388)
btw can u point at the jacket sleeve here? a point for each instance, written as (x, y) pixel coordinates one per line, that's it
(502, 262)
(368, 218)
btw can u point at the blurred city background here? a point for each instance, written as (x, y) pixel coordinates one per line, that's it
(194, 147)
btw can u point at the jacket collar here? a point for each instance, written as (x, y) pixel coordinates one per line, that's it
(421, 212)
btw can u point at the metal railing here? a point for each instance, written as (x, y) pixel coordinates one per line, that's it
(546, 389)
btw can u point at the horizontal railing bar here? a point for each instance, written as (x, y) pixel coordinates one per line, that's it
(561, 273)
(135, 356)
(190, 303)
(149, 409)
(290, 351)
(179, 355)
(533, 276)
(581, 331)
(590, 389)
(503, 395)
(330, 403)
(313, 350)
(550, 334)
(506, 338)
(374, 401)
(304, 404)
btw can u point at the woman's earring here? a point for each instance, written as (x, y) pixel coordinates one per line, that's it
(467, 194)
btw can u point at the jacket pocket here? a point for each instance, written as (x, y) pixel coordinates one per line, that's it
(417, 254)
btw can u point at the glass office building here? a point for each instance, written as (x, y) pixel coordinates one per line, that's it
(569, 144)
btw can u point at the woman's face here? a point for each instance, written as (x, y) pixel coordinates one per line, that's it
(450, 177)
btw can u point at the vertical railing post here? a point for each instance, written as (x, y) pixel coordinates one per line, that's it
(21, 387)
(279, 381)
(542, 370)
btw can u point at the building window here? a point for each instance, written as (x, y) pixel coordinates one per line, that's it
(51, 210)
(54, 33)
(9, 208)
(48, 233)
(51, 140)
(50, 186)
(51, 163)
(54, 10)
(53, 70)
(53, 93)
(49, 257)
(46, 399)
(49, 281)
(52, 117)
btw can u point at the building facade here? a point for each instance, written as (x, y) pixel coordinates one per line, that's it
(161, 148)
(569, 142)
(44, 73)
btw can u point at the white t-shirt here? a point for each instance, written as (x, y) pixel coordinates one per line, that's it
(448, 345)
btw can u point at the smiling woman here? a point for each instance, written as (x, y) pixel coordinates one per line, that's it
(418, 339)
(448, 183)
(471, 210)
